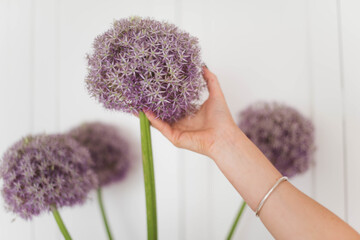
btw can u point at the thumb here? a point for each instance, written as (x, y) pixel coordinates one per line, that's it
(160, 125)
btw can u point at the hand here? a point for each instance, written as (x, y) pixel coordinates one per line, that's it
(204, 131)
(213, 132)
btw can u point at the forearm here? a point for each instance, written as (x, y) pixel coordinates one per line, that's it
(287, 213)
(244, 166)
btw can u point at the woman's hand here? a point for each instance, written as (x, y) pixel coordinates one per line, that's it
(213, 132)
(204, 132)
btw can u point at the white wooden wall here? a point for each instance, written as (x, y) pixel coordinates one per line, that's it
(305, 53)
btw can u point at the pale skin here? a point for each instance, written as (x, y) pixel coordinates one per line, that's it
(288, 213)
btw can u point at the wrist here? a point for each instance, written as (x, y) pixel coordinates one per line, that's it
(227, 141)
(245, 166)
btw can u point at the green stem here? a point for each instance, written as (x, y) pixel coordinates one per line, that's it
(60, 222)
(101, 205)
(232, 230)
(149, 178)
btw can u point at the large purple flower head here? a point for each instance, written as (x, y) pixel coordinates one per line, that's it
(146, 64)
(45, 170)
(109, 151)
(282, 134)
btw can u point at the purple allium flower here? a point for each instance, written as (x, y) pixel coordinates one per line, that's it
(44, 170)
(146, 64)
(282, 134)
(109, 151)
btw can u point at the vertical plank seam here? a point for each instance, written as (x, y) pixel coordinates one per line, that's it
(210, 193)
(182, 196)
(32, 83)
(32, 65)
(343, 111)
(57, 68)
(181, 165)
(311, 87)
(209, 175)
(57, 63)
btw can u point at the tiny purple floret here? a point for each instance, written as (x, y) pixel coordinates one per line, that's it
(45, 170)
(144, 64)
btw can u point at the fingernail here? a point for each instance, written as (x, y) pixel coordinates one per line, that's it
(206, 66)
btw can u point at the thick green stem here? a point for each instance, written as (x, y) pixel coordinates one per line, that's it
(149, 178)
(60, 223)
(232, 230)
(101, 205)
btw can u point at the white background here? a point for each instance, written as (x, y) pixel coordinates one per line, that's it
(305, 53)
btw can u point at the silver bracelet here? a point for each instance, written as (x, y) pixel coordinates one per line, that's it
(261, 204)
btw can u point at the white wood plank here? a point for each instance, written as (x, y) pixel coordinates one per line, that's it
(167, 186)
(46, 33)
(197, 215)
(195, 174)
(123, 201)
(259, 50)
(350, 35)
(325, 63)
(15, 94)
(45, 97)
(76, 36)
(166, 156)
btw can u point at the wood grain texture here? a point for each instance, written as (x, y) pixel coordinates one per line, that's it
(327, 105)
(350, 42)
(260, 53)
(16, 93)
(45, 91)
(302, 53)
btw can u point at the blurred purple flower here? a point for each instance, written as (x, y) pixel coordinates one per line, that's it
(146, 64)
(282, 134)
(109, 151)
(44, 170)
